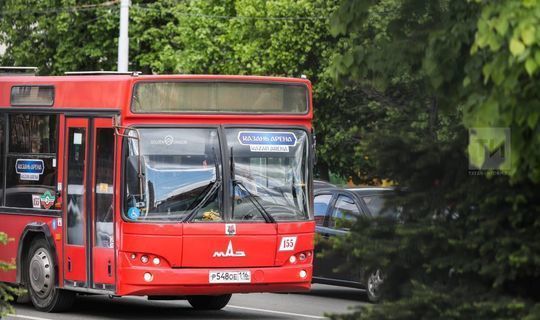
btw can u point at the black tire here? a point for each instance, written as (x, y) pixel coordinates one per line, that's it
(40, 279)
(209, 302)
(373, 281)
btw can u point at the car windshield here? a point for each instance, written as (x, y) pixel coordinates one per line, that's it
(178, 170)
(270, 174)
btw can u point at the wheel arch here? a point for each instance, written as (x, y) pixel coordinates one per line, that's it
(32, 231)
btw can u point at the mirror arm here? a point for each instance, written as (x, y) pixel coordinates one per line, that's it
(137, 137)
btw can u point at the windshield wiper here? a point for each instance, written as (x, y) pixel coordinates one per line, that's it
(203, 193)
(215, 185)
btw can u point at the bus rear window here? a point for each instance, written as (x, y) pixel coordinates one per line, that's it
(213, 97)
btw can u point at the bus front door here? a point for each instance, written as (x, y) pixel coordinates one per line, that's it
(75, 253)
(88, 204)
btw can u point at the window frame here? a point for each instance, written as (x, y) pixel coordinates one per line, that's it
(329, 208)
(5, 119)
(300, 84)
(84, 183)
(225, 154)
(337, 196)
(309, 162)
(125, 151)
(96, 172)
(53, 97)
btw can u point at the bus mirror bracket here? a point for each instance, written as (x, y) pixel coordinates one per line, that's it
(117, 127)
(314, 146)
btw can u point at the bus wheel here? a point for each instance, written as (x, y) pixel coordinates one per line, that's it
(209, 302)
(41, 280)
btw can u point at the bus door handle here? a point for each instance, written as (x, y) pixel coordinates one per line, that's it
(109, 268)
(69, 264)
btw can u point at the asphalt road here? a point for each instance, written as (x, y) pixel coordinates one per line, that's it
(321, 300)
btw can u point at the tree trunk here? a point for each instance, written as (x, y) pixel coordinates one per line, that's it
(322, 170)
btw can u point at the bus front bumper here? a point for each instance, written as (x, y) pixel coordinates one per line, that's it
(195, 281)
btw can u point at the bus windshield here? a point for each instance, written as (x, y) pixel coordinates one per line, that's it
(270, 169)
(180, 175)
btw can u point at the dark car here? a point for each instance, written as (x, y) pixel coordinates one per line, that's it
(334, 208)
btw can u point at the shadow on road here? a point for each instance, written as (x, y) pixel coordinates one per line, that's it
(335, 292)
(90, 307)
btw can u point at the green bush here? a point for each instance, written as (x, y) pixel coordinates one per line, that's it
(7, 292)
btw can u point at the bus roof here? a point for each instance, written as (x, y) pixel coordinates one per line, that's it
(110, 91)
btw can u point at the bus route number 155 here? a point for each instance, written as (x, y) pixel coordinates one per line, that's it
(287, 244)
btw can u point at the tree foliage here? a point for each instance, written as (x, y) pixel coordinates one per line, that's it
(7, 293)
(467, 247)
(59, 35)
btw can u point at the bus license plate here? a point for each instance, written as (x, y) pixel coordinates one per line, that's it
(230, 276)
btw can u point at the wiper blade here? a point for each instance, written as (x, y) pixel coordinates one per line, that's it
(203, 193)
(216, 184)
(255, 202)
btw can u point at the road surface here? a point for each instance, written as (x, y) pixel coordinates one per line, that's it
(321, 300)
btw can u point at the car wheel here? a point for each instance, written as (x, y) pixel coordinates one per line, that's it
(373, 285)
(209, 302)
(41, 280)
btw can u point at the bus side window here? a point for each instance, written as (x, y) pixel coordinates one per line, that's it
(31, 161)
(75, 186)
(104, 187)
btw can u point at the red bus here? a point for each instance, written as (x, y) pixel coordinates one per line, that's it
(166, 186)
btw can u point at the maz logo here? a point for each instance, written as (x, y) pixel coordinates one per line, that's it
(230, 252)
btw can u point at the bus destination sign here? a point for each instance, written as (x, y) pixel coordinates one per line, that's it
(29, 169)
(260, 141)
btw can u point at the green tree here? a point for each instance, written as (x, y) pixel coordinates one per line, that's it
(59, 35)
(7, 292)
(469, 245)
